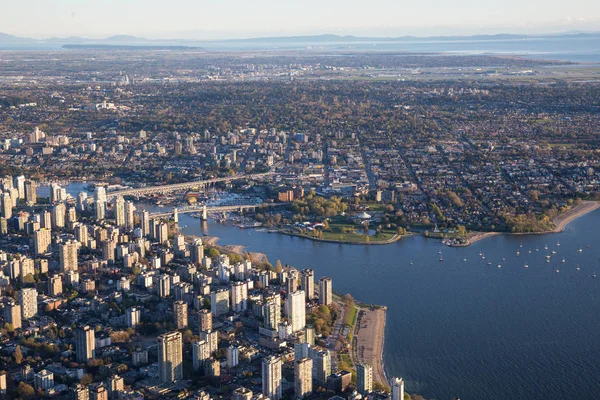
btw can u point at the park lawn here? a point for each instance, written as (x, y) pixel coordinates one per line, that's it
(356, 237)
(350, 317)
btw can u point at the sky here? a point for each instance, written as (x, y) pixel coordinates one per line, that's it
(225, 19)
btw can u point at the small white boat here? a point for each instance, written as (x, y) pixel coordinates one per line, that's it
(546, 247)
(518, 252)
(553, 252)
(557, 270)
(499, 266)
(526, 265)
(537, 249)
(563, 260)
(578, 269)
(580, 250)
(558, 243)
(465, 259)
(489, 263)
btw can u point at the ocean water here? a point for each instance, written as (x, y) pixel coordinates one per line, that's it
(465, 328)
(576, 49)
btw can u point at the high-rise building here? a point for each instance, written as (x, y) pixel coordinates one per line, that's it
(219, 302)
(30, 192)
(296, 310)
(46, 219)
(197, 252)
(164, 286)
(108, 250)
(129, 213)
(242, 393)
(397, 385)
(28, 301)
(145, 222)
(180, 309)
(42, 239)
(364, 378)
(272, 312)
(55, 286)
(321, 364)
(43, 380)
(115, 386)
(303, 377)
(307, 283)
(119, 211)
(68, 256)
(100, 207)
(12, 314)
(200, 353)
(80, 392)
(239, 297)
(7, 206)
(99, 393)
(71, 216)
(271, 377)
(59, 212)
(133, 316)
(212, 340)
(170, 357)
(205, 320)
(27, 267)
(325, 291)
(82, 201)
(232, 356)
(163, 233)
(20, 186)
(81, 234)
(85, 345)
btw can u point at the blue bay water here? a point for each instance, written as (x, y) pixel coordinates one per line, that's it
(468, 329)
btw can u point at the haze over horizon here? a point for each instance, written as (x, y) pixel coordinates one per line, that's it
(230, 19)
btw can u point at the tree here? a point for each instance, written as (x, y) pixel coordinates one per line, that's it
(18, 355)
(25, 390)
(278, 266)
(86, 379)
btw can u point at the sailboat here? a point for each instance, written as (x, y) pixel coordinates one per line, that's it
(441, 257)
(546, 247)
(580, 250)
(578, 267)
(557, 243)
(526, 265)
(563, 260)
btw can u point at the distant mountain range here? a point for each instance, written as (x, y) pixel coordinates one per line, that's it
(121, 40)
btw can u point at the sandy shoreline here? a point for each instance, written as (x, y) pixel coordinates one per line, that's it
(369, 342)
(573, 213)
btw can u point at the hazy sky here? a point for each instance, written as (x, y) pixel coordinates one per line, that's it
(243, 18)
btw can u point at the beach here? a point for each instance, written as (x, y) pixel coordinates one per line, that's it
(576, 211)
(369, 341)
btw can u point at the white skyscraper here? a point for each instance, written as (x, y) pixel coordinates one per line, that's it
(200, 353)
(28, 301)
(232, 356)
(397, 385)
(296, 310)
(271, 377)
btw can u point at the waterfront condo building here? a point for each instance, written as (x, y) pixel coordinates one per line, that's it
(307, 283)
(325, 291)
(296, 310)
(364, 379)
(397, 385)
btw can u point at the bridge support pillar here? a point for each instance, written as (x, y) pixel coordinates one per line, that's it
(204, 213)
